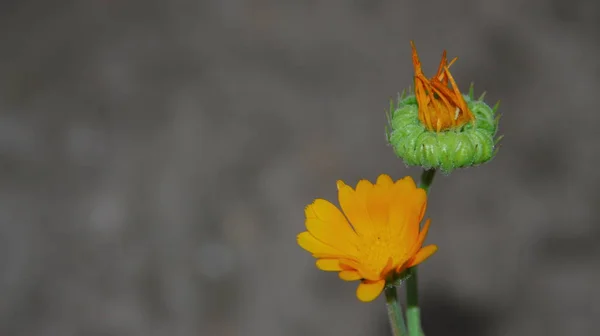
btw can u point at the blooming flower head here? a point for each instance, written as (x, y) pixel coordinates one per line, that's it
(374, 238)
(438, 127)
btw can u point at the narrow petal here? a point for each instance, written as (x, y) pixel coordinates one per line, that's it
(422, 236)
(327, 223)
(349, 275)
(329, 265)
(353, 265)
(349, 265)
(308, 242)
(440, 73)
(400, 268)
(424, 231)
(388, 267)
(423, 254)
(368, 291)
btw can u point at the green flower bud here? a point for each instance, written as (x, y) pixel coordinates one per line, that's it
(437, 127)
(471, 144)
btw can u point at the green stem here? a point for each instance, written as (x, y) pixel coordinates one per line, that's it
(394, 312)
(427, 179)
(413, 312)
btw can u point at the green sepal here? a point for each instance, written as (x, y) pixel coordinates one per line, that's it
(472, 144)
(397, 279)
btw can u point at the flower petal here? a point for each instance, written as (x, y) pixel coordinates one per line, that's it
(421, 238)
(367, 207)
(389, 266)
(384, 180)
(354, 265)
(423, 254)
(407, 206)
(308, 242)
(354, 208)
(423, 233)
(327, 223)
(363, 188)
(349, 275)
(378, 202)
(328, 265)
(368, 291)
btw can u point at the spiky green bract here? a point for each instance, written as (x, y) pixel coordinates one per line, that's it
(470, 145)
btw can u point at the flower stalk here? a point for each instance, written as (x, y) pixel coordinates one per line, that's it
(413, 312)
(395, 313)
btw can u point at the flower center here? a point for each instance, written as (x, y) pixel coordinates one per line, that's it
(379, 255)
(441, 105)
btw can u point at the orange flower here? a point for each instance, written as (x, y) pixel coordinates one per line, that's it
(440, 107)
(377, 236)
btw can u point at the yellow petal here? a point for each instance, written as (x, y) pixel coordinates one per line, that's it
(354, 265)
(368, 291)
(349, 265)
(363, 189)
(407, 182)
(349, 275)
(400, 268)
(423, 254)
(308, 242)
(354, 208)
(327, 223)
(407, 205)
(378, 202)
(384, 180)
(422, 236)
(328, 265)
(388, 267)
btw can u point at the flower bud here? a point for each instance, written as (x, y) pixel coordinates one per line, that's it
(437, 127)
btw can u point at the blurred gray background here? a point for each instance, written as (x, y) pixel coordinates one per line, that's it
(156, 157)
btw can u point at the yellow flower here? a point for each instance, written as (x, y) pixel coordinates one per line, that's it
(440, 107)
(377, 236)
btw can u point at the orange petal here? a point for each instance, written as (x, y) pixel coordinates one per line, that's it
(400, 268)
(422, 236)
(423, 254)
(384, 180)
(354, 208)
(363, 188)
(329, 265)
(327, 223)
(415, 58)
(349, 275)
(440, 73)
(308, 242)
(407, 205)
(367, 207)
(368, 291)
(353, 265)
(349, 265)
(407, 181)
(378, 203)
(388, 267)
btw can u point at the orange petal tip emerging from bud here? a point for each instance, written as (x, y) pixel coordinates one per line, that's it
(441, 104)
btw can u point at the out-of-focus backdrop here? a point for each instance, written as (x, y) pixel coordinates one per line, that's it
(156, 157)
